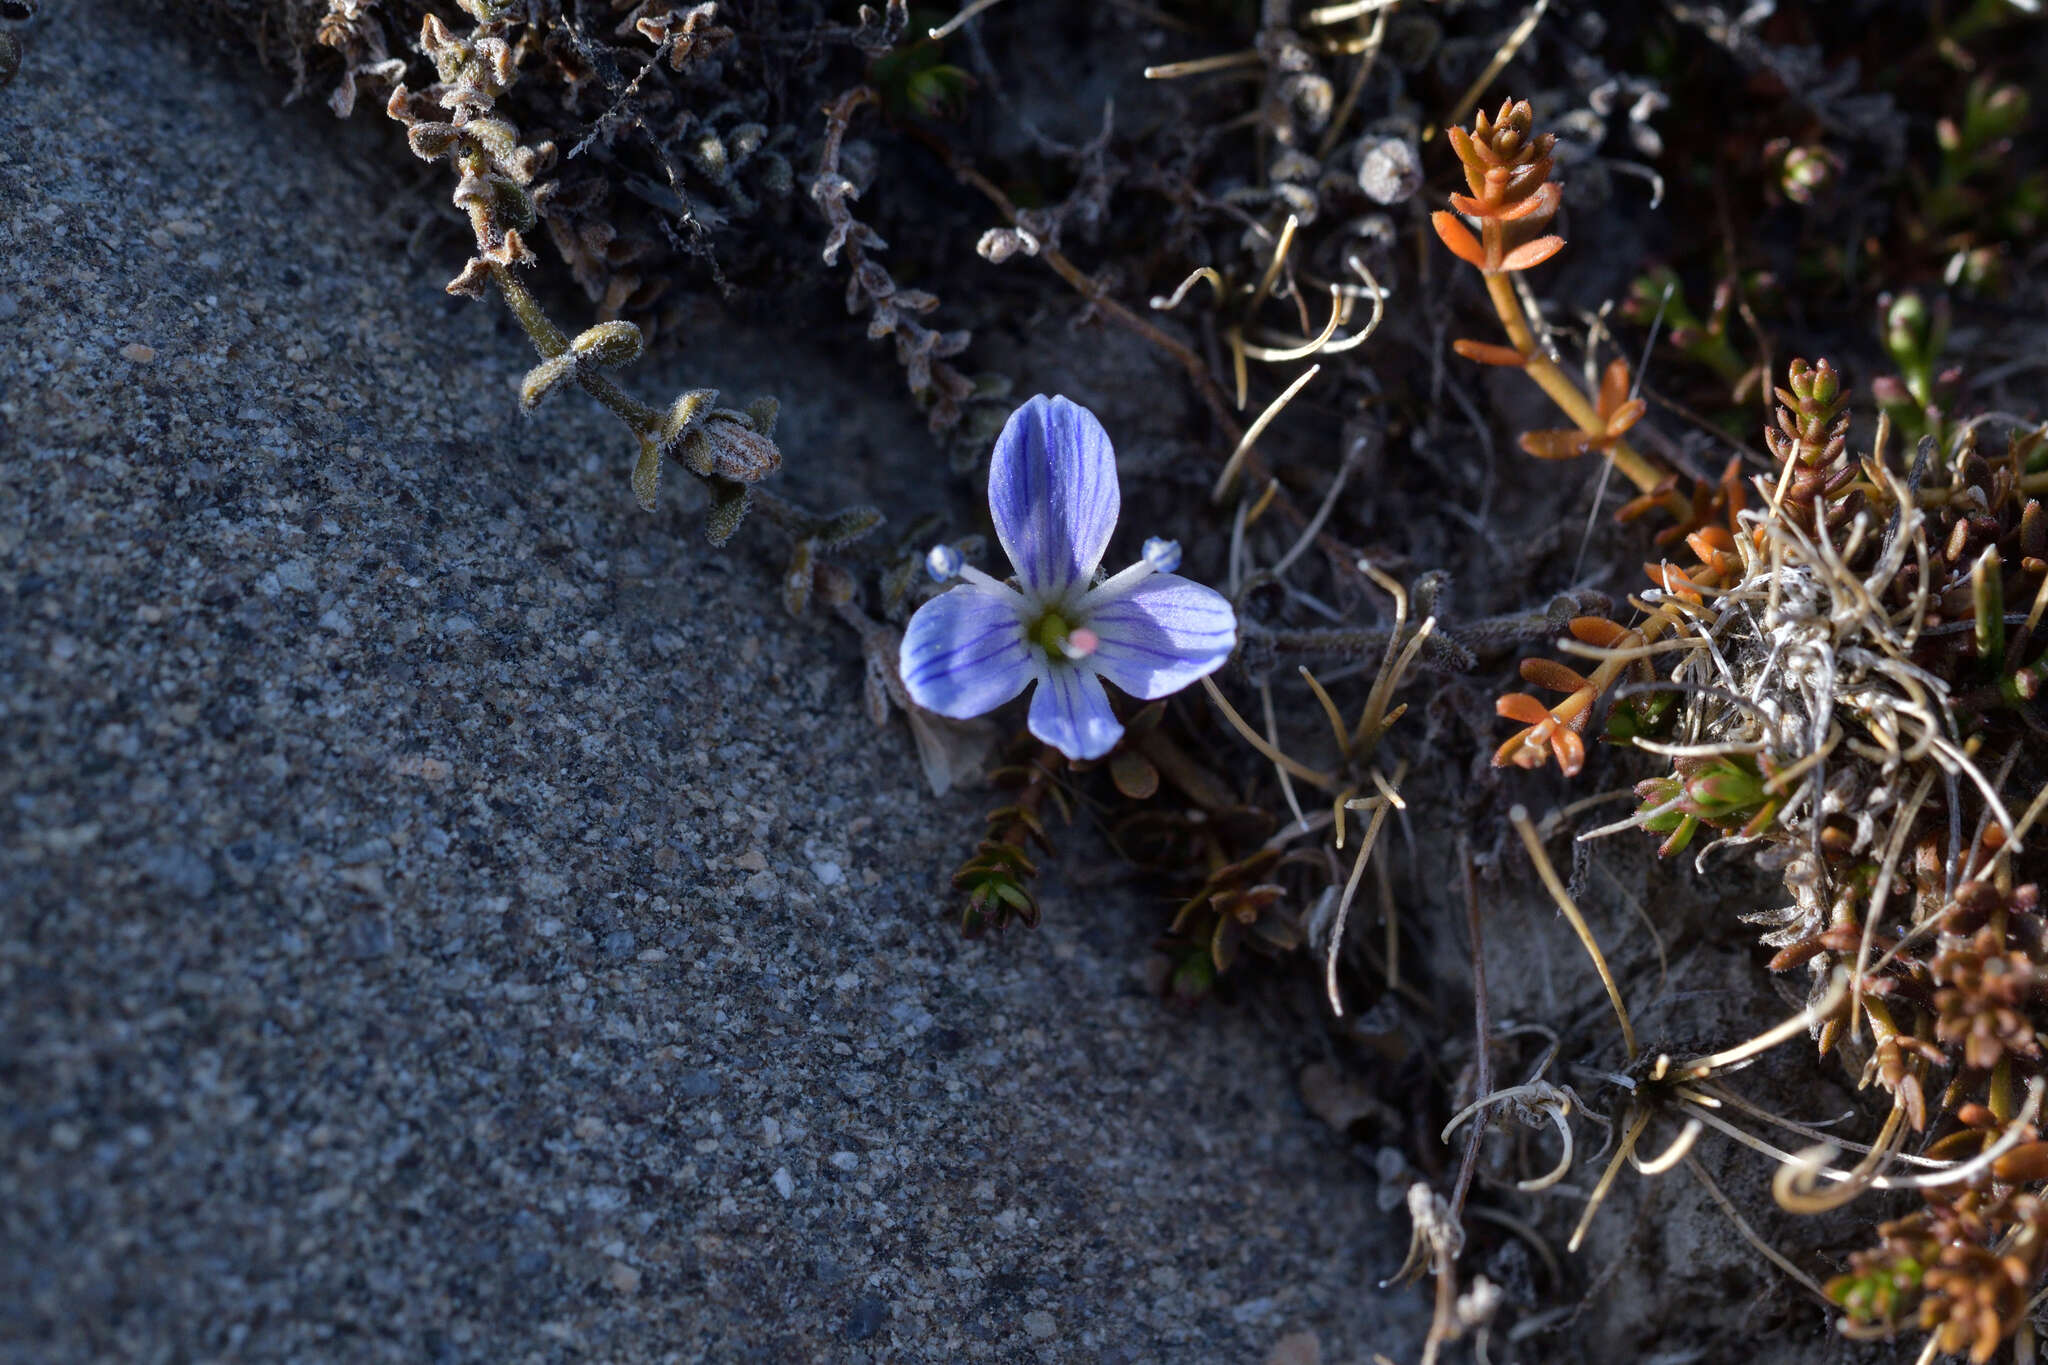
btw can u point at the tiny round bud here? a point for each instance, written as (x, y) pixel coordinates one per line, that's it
(999, 244)
(1907, 317)
(1162, 555)
(943, 562)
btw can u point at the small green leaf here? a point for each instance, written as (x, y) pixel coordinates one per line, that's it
(511, 205)
(1680, 837)
(798, 579)
(543, 379)
(1195, 977)
(609, 344)
(1987, 591)
(647, 473)
(683, 414)
(730, 502)
(848, 526)
(1724, 788)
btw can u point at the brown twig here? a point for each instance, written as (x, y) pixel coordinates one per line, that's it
(1099, 298)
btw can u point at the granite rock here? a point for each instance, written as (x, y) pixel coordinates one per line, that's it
(446, 914)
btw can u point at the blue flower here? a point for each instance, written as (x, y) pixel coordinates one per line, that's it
(1052, 490)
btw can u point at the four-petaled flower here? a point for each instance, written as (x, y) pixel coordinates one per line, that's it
(1052, 490)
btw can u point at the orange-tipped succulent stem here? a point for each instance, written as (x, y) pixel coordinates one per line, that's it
(1512, 202)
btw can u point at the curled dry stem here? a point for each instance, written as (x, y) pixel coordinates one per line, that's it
(1539, 1097)
(1749, 1234)
(1630, 1136)
(1379, 806)
(1519, 818)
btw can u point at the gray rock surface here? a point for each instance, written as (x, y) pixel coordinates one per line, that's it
(448, 915)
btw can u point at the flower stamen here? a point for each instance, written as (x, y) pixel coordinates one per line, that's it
(944, 563)
(1159, 556)
(1052, 634)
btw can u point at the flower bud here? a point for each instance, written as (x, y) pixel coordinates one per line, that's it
(1906, 323)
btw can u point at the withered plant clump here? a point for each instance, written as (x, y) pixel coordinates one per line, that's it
(670, 148)
(1838, 685)
(509, 183)
(1855, 703)
(1826, 662)
(680, 143)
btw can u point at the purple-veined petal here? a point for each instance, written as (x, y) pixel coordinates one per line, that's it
(1053, 492)
(1070, 711)
(1162, 635)
(964, 652)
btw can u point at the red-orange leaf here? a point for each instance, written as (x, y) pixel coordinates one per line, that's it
(1626, 416)
(2027, 1163)
(1553, 675)
(1798, 955)
(1488, 354)
(1656, 498)
(1600, 632)
(1480, 150)
(1469, 158)
(1711, 540)
(1531, 253)
(1459, 238)
(1473, 208)
(1518, 751)
(1556, 445)
(1672, 579)
(1542, 202)
(1732, 488)
(1613, 387)
(1522, 707)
